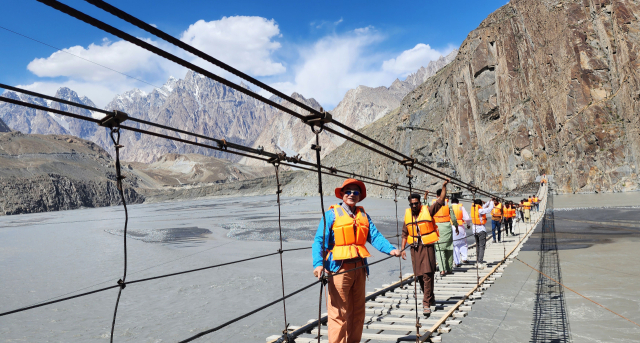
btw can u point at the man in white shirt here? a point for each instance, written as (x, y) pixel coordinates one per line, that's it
(478, 218)
(459, 233)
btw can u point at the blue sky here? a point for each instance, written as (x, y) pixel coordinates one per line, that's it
(318, 48)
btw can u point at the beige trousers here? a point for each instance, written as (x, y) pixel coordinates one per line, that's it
(345, 306)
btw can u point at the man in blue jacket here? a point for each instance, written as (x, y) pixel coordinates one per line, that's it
(347, 230)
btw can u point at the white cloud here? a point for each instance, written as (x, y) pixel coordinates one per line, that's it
(121, 56)
(331, 66)
(325, 69)
(246, 43)
(411, 60)
(328, 68)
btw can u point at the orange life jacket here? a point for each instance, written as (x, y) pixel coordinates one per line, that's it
(428, 230)
(496, 213)
(535, 199)
(457, 210)
(476, 217)
(526, 205)
(350, 234)
(509, 212)
(442, 216)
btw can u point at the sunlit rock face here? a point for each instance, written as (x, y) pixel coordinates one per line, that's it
(539, 87)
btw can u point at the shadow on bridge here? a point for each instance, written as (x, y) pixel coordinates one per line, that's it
(550, 319)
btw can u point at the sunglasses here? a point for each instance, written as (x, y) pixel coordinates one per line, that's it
(354, 193)
(414, 204)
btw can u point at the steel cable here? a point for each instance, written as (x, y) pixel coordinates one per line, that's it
(248, 313)
(415, 277)
(57, 301)
(223, 148)
(115, 138)
(307, 119)
(285, 332)
(323, 276)
(395, 199)
(163, 35)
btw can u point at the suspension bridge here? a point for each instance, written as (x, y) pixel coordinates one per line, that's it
(392, 310)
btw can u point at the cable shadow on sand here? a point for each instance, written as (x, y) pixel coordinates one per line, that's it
(550, 319)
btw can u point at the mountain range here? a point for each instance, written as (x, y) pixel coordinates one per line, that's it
(206, 107)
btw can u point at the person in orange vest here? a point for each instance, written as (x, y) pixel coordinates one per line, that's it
(421, 233)
(509, 214)
(347, 230)
(497, 215)
(526, 209)
(479, 219)
(459, 233)
(536, 202)
(445, 220)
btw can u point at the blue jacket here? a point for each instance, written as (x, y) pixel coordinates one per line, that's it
(375, 238)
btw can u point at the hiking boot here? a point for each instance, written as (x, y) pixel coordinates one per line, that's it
(426, 312)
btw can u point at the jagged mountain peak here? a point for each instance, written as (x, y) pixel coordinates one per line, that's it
(67, 94)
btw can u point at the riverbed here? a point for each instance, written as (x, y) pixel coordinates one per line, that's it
(48, 255)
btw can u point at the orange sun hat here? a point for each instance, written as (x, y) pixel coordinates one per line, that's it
(360, 184)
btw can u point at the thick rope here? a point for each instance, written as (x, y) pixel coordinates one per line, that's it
(285, 332)
(415, 243)
(323, 277)
(115, 137)
(477, 238)
(395, 199)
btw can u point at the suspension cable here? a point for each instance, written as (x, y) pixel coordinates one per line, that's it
(317, 149)
(314, 113)
(307, 119)
(395, 199)
(476, 236)
(285, 332)
(115, 138)
(408, 167)
(223, 145)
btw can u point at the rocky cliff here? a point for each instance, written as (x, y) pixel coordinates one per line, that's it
(4, 127)
(541, 86)
(40, 173)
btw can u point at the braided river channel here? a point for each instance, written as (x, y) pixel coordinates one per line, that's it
(47, 256)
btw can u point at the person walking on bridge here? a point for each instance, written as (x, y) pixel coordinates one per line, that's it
(479, 218)
(446, 220)
(497, 215)
(536, 202)
(420, 231)
(520, 210)
(526, 209)
(347, 229)
(460, 234)
(509, 215)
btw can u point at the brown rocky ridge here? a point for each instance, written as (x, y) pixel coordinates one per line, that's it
(40, 173)
(541, 86)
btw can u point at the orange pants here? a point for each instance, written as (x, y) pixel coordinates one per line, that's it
(345, 306)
